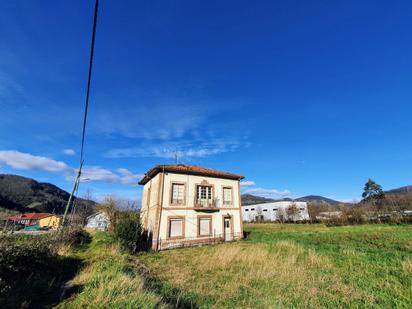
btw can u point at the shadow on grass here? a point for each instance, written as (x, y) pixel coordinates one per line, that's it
(170, 295)
(43, 288)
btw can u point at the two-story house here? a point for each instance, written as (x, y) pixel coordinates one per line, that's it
(185, 205)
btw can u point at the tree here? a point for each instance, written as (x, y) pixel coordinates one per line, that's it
(372, 191)
(293, 212)
(111, 208)
(83, 209)
(281, 214)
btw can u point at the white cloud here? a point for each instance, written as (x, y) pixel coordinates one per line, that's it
(249, 187)
(69, 152)
(25, 161)
(247, 184)
(97, 173)
(268, 193)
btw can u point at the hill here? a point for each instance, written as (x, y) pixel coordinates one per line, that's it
(249, 199)
(23, 194)
(407, 190)
(318, 199)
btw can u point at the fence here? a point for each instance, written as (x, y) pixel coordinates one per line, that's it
(164, 244)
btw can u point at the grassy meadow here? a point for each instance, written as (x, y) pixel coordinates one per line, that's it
(296, 266)
(278, 265)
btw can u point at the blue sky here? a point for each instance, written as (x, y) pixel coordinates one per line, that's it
(301, 97)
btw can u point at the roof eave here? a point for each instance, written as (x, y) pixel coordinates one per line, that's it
(159, 168)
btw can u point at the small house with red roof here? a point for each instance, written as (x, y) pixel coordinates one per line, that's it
(42, 220)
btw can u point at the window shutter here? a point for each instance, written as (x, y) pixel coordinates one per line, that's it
(227, 196)
(176, 228)
(178, 193)
(204, 226)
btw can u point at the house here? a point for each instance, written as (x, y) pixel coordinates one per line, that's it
(98, 221)
(184, 205)
(276, 211)
(40, 220)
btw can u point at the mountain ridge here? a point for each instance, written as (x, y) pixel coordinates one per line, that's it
(23, 194)
(249, 199)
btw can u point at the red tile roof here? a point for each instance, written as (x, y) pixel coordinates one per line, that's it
(31, 216)
(187, 169)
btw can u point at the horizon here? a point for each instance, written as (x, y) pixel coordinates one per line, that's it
(301, 98)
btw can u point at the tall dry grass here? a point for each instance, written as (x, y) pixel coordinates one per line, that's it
(278, 274)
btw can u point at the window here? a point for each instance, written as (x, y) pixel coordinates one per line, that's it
(204, 192)
(265, 210)
(204, 196)
(178, 194)
(204, 226)
(227, 196)
(246, 209)
(252, 209)
(176, 226)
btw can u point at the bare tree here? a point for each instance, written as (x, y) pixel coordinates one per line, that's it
(111, 208)
(259, 213)
(281, 214)
(83, 208)
(292, 212)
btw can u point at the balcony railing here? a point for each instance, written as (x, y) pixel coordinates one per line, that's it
(206, 204)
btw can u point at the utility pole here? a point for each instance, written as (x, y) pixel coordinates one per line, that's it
(76, 183)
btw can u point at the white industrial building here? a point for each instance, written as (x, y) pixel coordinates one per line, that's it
(276, 211)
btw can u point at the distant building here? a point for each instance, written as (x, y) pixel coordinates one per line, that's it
(185, 205)
(40, 220)
(276, 211)
(98, 221)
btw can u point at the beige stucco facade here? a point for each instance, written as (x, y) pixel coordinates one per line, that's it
(158, 210)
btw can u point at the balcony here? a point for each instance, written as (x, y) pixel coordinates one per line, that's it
(206, 205)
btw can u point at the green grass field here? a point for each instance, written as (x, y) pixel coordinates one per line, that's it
(276, 266)
(296, 266)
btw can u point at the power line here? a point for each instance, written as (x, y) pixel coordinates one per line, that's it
(96, 8)
(77, 180)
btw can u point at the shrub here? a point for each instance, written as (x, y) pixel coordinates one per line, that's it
(22, 257)
(30, 264)
(72, 238)
(129, 232)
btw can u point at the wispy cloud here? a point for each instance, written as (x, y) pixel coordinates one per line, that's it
(247, 184)
(170, 128)
(25, 161)
(181, 149)
(9, 86)
(161, 121)
(69, 152)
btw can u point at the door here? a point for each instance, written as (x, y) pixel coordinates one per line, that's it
(227, 224)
